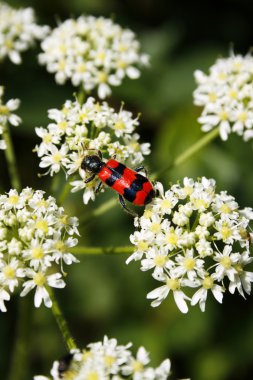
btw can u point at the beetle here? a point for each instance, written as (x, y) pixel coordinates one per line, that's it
(128, 183)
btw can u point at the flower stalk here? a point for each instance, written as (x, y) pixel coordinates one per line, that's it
(200, 144)
(102, 250)
(11, 160)
(61, 322)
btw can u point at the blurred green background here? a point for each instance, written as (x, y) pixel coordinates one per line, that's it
(103, 295)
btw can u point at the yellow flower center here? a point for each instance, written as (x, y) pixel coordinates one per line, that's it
(42, 225)
(212, 97)
(63, 125)
(63, 49)
(42, 203)
(171, 238)
(9, 272)
(200, 203)
(173, 283)
(166, 204)
(222, 76)
(223, 115)
(56, 158)
(4, 110)
(238, 268)
(207, 283)
(233, 94)
(188, 190)
(39, 279)
(47, 138)
(160, 260)
(119, 125)
(137, 366)
(109, 360)
(122, 47)
(102, 77)
(121, 64)
(225, 209)
(62, 64)
(81, 68)
(92, 375)
(226, 262)
(101, 56)
(155, 227)
(37, 253)
(142, 245)
(189, 263)
(13, 199)
(226, 232)
(242, 116)
(60, 246)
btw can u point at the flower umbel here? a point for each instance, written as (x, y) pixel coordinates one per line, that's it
(107, 360)
(18, 31)
(78, 127)
(92, 52)
(193, 237)
(35, 237)
(7, 115)
(226, 96)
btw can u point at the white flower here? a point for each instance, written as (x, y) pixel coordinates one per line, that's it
(6, 110)
(78, 128)
(226, 96)
(190, 236)
(39, 234)
(18, 31)
(108, 360)
(93, 52)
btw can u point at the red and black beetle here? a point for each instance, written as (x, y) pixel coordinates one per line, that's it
(130, 184)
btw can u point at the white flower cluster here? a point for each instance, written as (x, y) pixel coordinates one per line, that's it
(107, 360)
(6, 115)
(35, 238)
(92, 52)
(192, 237)
(226, 95)
(18, 31)
(76, 128)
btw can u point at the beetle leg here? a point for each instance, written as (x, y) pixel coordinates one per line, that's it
(140, 168)
(123, 204)
(98, 187)
(87, 180)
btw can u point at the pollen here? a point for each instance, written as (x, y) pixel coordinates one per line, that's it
(63, 125)
(60, 246)
(37, 253)
(39, 279)
(189, 263)
(121, 64)
(207, 283)
(173, 284)
(188, 190)
(160, 260)
(101, 56)
(233, 94)
(242, 116)
(81, 68)
(9, 272)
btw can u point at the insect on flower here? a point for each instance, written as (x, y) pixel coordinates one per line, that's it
(130, 184)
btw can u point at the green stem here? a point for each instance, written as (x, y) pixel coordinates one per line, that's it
(21, 350)
(200, 144)
(102, 250)
(11, 160)
(62, 324)
(98, 211)
(64, 193)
